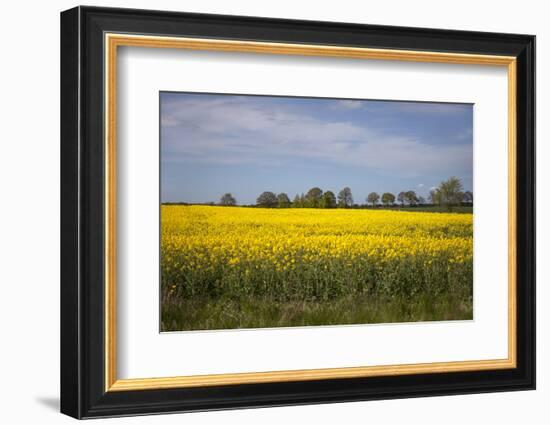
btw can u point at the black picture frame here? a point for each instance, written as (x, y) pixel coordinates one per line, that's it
(83, 392)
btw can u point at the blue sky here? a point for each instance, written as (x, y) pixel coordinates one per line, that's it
(215, 143)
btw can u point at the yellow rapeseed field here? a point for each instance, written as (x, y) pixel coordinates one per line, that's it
(312, 254)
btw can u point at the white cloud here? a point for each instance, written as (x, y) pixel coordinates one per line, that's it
(240, 130)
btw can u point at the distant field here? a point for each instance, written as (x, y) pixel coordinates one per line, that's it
(432, 208)
(231, 267)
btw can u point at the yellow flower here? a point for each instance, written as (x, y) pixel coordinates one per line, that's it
(209, 239)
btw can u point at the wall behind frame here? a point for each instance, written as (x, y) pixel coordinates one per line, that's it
(29, 217)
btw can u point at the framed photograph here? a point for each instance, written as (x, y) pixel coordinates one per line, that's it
(261, 212)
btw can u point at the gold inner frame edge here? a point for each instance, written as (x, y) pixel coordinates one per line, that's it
(112, 41)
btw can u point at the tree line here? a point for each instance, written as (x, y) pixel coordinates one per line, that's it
(448, 194)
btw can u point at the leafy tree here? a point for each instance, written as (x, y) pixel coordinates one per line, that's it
(345, 198)
(434, 196)
(228, 200)
(313, 197)
(401, 198)
(328, 200)
(388, 198)
(421, 200)
(267, 200)
(283, 200)
(373, 198)
(450, 192)
(297, 203)
(411, 198)
(468, 197)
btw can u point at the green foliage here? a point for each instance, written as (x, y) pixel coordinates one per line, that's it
(325, 279)
(228, 200)
(345, 198)
(267, 200)
(178, 315)
(373, 198)
(313, 197)
(283, 200)
(434, 196)
(411, 198)
(449, 193)
(328, 200)
(401, 291)
(388, 198)
(401, 198)
(431, 209)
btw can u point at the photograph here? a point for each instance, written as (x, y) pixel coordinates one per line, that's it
(279, 211)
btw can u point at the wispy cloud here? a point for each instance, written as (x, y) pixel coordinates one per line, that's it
(348, 104)
(248, 130)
